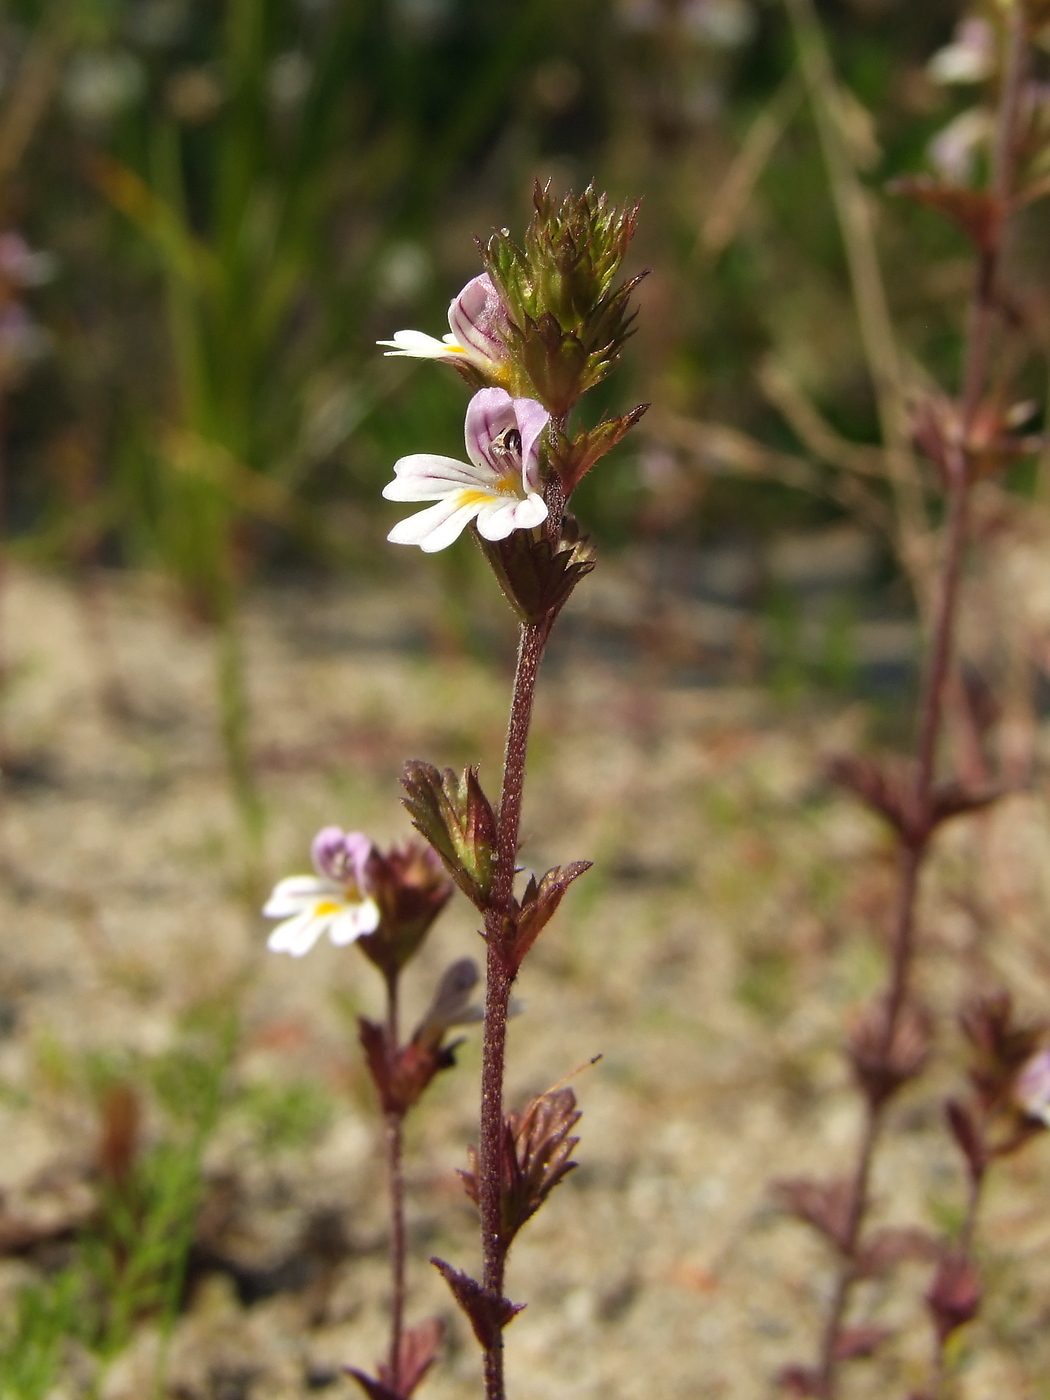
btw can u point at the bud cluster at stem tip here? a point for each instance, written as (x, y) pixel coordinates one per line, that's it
(567, 316)
(545, 322)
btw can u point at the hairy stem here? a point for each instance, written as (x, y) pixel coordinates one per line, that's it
(913, 853)
(396, 1179)
(498, 984)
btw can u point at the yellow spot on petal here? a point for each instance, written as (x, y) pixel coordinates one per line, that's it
(474, 498)
(326, 906)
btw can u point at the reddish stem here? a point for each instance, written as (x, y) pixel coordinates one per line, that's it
(913, 852)
(497, 992)
(396, 1180)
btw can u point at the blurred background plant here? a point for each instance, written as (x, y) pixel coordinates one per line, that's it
(240, 199)
(120, 1253)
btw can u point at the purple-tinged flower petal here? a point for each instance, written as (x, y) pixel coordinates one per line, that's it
(341, 856)
(1032, 1088)
(532, 419)
(21, 265)
(490, 415)
(476, 318)
(327, 850)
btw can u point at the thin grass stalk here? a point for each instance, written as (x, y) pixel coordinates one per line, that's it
(878, 340)
(183, 1234)
(234, 719)
(914, 852)
(31, 90)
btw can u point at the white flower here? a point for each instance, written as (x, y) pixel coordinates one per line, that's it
(499, 487)
(953, 151)
(334, 901)
(969, 58)
(477, 319)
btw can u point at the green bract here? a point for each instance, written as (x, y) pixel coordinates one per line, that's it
(567, 316)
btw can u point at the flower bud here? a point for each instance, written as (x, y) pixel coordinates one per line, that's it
(567, 318)
(411, 889)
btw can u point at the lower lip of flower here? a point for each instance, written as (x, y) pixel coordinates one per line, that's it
(326, 906)
(502, 487)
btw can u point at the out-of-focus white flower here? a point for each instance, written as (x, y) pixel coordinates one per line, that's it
(499, 487)
(953, 151)
(157, 24)
(969, 58)
(476, 318)
(725, 24)
(403, 272)
(289, 78)
(22, 266)
(22, 343)
(99, 85)
(1032, 1089)
(335, 901)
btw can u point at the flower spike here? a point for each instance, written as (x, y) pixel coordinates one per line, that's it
(499, 488)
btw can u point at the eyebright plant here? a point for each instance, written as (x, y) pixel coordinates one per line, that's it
(544, 322)
(385, 902)
(981, 183)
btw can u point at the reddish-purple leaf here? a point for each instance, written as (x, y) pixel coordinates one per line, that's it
(823, 1204)
(967, 1133)
(955, 799)
(885, 1248)
(976, 212)
(801, 1382)
(538, 906)
(419, 1349)
(855, 1342)
(882, 1068)
(954, 1296)
(488, 1312)
(375, 1390)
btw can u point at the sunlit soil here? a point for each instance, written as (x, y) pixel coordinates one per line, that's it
(729, 928)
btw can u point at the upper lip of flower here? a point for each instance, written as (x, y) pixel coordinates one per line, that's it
(474, 317)
(499, 487)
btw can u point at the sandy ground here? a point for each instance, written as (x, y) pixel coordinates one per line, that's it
(712, 957)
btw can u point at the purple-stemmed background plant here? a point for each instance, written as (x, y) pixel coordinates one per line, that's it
(965, 439)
